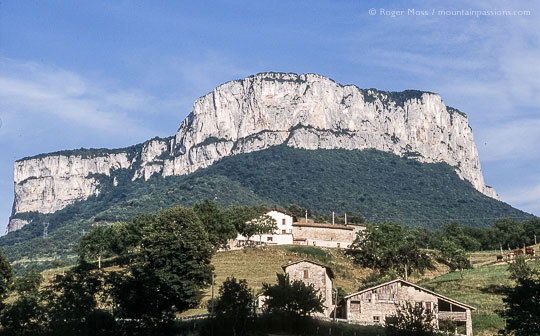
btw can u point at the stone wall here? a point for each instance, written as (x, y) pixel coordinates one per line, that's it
(325, 235)
(374, 306)
(316, 275)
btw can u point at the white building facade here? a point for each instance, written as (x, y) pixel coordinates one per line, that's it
(283, 235)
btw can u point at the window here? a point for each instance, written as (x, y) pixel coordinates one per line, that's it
(283, 222)
(376, 319)
(355, 306)
(338, 245)
(306, 274)
(283, 231)
(428, 306)
(269, 239)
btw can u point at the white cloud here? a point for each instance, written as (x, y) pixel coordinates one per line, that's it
(31, 89)
(515, 140)
(526, 198)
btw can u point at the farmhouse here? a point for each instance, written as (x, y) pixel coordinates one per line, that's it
(313, 273)
(304, 232)
(377, 303)
(324, 235)
(283, 235)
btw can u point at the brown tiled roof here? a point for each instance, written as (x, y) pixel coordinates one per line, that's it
(323, 225)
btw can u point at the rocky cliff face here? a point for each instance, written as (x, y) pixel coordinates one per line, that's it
(303, 111)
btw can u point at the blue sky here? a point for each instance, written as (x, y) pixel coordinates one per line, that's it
(114, 73)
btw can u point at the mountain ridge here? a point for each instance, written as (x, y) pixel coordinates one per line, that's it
(306, 111)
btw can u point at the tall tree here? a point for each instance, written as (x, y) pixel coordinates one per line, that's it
(291, 298)
(218, 225)
(453, 232)
(95, 244)
(234, 306)
(241, 215)
(170, 271)
(6, 277)
(410, 257)
(521, 308)
(24, 316)
(75, 303)
(456, 257)
(390, 248)
(262, 225)
(510, 233)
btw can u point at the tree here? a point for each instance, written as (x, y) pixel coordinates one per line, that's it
(411, 320)
(297, 211)
(390, 248)
(234, 306)
(6, 277)
(169, 272)
(453, 232)
(25, 315)
(521, 308)
(532, 230)
(29, 283)
(292, 299)
(95, 244)
(510, 232)
(456, 257)
(218, 225)
(242, 218)
(519, 269)
(75, 301)
(410, 257)
(261, 225)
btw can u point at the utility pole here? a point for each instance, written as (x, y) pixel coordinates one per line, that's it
(212, 306)
(335, 303)
(333, 218)
(306, 215)
(345, 218)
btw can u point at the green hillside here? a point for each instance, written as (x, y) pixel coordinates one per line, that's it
(380, 186)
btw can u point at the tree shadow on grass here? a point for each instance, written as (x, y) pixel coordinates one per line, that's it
(496, 289)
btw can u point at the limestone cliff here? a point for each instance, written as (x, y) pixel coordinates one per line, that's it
(305, 111)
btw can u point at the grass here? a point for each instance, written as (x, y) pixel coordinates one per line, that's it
(260, 265)
(482, 287)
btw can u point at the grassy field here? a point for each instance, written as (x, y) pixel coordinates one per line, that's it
(260, 265)
(482, 287)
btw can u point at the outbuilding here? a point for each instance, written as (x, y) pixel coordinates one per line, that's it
(375, 304)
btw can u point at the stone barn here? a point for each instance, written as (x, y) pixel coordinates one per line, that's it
(324, 235)
(313, 273)
(375, 304)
